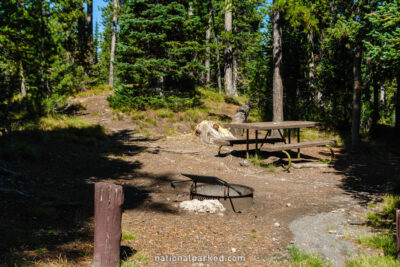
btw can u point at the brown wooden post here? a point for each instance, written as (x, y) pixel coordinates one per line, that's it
(398, 234)
(108, 200)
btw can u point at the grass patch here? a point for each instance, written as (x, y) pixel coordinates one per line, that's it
(136, 260)
(95, 90)
(258, 161)
(372, 261)
(169, 130)
(231, 100)
(139, 116)
(211, 96)
(299, 258)
(165, 113)
(385, 242)
(194, 115)
(385, 218)
(128, 236)
(311, 134)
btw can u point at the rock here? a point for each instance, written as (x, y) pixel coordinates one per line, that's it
(244, 163)
(288, 205)
(209, 206)
(233, 250)
(277, 224)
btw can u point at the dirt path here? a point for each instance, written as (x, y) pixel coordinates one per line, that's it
(283, 202)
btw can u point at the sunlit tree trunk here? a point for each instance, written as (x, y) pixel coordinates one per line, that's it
(228, 50)
(277, 59)
(208, 54)
(113, 44)
(216, 49)
(355, 124)
(22, 76)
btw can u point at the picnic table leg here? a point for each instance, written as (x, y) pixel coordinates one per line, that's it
(298, 141)
(257, 142)
(247, 143)
(289, 136)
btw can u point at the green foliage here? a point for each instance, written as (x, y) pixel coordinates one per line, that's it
(385, 242)
(128, 98)
(372, 261)
(300, 258)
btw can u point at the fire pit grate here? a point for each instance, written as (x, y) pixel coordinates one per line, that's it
(234, 197)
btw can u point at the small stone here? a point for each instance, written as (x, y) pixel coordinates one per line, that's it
(274, 239)
(244, 163)
(277, 224)
(233, 250)
(288, 205)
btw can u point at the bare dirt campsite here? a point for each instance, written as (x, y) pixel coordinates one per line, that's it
(47, 194)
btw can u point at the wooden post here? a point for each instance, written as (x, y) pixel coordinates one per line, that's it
(108, 200)
(398, 234)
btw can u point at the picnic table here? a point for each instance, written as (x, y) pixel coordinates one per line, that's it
(280, 143)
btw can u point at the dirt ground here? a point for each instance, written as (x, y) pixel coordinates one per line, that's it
(145, 167)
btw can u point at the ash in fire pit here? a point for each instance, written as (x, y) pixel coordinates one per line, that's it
(234, 197)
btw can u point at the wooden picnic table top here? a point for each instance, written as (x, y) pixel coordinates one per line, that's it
(269, 125)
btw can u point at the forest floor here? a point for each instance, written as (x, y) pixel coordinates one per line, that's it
(320, 210)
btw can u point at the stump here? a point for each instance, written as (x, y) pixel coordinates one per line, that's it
(210, 131)
(240, 117)
(108, 200)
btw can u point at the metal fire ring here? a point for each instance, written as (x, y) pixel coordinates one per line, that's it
(234, 197)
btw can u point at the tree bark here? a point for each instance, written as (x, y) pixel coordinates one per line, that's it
(89, 21)
(216, 49)
(208, 54)
(355, 124)
(397, 124)
(277, 59)
(113, 43)
(22, 76)
(228, 50)
(375, 113)
(235, 74)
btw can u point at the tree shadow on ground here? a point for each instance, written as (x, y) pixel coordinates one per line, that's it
(47, 187)
(373, 170)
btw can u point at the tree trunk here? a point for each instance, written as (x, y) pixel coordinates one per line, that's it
(208, 54)
(355, 124)
(311, 67)
(277, 58)
(375, 113)
(216, 49)
(235, 73)
(382, 94)
(228, 50)
(22, 76)
(89, 21)
(81, 35)
(113, 43)
(397, 125)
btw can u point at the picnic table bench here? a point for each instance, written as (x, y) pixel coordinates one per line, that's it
(283, 145)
